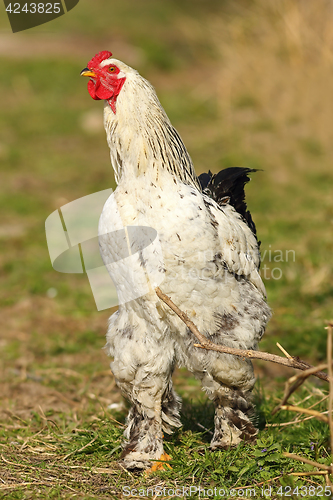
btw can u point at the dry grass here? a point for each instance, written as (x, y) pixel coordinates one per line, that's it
(276, 65)
(291, 386)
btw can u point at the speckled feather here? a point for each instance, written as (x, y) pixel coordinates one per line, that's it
(209, 268)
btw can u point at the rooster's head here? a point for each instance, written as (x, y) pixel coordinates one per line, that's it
(106, 78)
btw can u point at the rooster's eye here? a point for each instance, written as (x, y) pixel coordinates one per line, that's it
(112, 69)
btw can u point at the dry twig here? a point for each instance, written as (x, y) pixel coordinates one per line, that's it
(295, 382)
(314, 413)
(81, 449)
(292, 384)
(310, 473)
(295, 421)
(330, 399)
(330, 376)
(293, 362)
(327, 468)
(282, 349)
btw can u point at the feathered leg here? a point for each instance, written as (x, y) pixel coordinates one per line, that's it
(142, 366)
(234, 419)
(151, 414)
(143, 438)
(233, 413)
(228, 382)
(171, 405)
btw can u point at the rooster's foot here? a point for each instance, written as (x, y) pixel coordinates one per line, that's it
(160, 464)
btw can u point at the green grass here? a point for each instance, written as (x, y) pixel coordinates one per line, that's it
(60, 454)
(243, 90)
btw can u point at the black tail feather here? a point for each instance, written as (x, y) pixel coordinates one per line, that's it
(228, 187)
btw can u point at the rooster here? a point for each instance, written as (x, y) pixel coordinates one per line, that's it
(210, 269)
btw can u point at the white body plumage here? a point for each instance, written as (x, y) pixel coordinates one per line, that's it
(209, 268)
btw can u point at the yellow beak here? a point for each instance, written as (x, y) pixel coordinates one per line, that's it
(88, 72)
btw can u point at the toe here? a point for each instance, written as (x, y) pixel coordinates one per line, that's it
(161, 464)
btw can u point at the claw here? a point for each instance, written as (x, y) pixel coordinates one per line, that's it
(160, 464)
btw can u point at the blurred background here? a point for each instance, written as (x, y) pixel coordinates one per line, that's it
(246, 83)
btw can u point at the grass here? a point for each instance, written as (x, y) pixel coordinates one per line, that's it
(74, 453)
(244, 85)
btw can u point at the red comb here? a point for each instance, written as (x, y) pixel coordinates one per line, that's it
(98, 58)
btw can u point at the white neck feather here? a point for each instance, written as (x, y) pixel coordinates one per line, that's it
(141, 138)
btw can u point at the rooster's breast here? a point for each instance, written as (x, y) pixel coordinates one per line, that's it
(190, 248)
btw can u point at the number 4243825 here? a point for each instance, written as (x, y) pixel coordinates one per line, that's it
(33, 8)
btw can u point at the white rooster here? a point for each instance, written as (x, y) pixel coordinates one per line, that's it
(210, 270)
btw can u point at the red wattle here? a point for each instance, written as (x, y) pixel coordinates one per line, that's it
(91, 90)
(117, 89)
(102, 92)
(98, 91)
